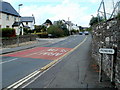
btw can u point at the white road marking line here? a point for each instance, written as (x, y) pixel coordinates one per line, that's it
(40, 75)
(43, 70)
(24, 79)
(9, 60)
(52, 65)
(34, 53)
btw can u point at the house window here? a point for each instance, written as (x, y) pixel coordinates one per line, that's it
(14, 18)
(26, 23)
(7, 17)
(7, 26)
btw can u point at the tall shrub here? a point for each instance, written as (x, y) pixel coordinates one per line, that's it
(55, 31)
(8, 32)
(118, 16)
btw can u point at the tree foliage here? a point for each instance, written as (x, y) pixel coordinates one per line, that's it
(118, 16)
(48, 21)
(58, 30)
(95, 20)
(55, 31)
(63, 26)
(40, 28)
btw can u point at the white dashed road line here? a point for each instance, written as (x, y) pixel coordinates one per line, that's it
(9, 60)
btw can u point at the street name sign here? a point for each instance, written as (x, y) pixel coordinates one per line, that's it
(106, 51)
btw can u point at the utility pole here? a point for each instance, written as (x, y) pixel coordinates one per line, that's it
(113, 4)
(119, 7)
(104, 10)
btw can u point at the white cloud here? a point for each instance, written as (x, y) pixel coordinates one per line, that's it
(58, 12)
(95, 1)
(73, 9)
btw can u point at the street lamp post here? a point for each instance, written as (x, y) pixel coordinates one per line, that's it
(69, 25)
(18, 24)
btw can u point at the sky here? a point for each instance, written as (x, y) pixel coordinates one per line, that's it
(78, 11)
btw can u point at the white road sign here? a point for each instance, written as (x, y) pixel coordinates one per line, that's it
(106, 51)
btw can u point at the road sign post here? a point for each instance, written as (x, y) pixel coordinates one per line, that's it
(100, 68)
(114, 58)
(105, 51)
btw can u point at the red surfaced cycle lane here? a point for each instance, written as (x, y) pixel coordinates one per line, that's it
(48, 53)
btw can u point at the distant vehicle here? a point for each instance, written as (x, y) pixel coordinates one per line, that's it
(80, 33)
(86, 32)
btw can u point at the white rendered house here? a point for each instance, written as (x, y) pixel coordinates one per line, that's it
(28, 22)
(8, 15)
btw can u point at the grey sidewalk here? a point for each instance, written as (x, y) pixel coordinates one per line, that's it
(27, 45)
(8, 50)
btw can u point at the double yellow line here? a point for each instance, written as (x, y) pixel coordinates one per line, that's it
(35, 73)
(53, 62)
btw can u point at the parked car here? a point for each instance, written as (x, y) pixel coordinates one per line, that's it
(86, 32)
(80, 33)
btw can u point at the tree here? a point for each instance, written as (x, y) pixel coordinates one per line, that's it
(39, 28)
(63, 26)
(95, 20)
(48, 21)
(80, 28)
(55, 31)
(118, 16)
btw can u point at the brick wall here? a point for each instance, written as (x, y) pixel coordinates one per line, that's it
(107, 35)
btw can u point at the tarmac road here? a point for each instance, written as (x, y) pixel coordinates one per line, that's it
(71, 71)
(19, 64)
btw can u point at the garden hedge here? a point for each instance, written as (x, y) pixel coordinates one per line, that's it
(8, 32)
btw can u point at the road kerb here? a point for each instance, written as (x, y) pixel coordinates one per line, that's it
(28, 77)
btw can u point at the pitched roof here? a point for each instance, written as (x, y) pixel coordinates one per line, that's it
(27, 19)
(15, 24)
(8, 9)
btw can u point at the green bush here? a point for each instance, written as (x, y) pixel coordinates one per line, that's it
(8, 32)
(118, 16)
(94, 20)
(66, 32)
(55, 31)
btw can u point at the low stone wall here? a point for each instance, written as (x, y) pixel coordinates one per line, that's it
(23, 38)
(107, 35)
